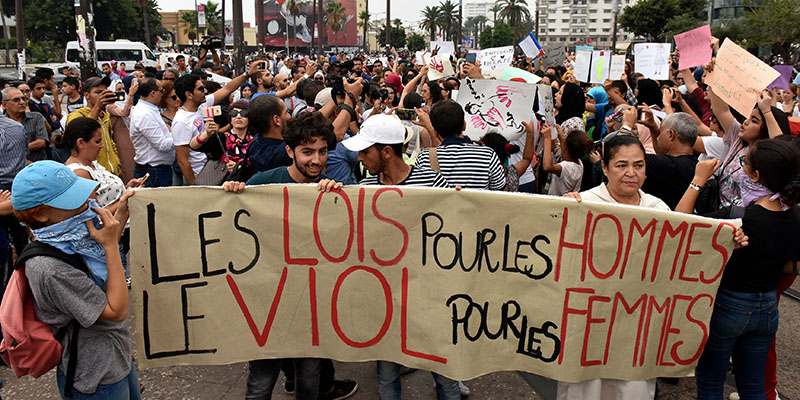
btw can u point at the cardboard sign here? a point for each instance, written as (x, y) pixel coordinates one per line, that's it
(530, 46)
(694, 47)
(440, 67)
(495, 106)
(444, 47)
(617, 67)
(497, 57)
(568, 290)
(739, 77)
(652, 60)
(782, 81)
(211, 112)
(547, 107)
(553, 55)
(601, 66)
(583, 60)
(509, 73)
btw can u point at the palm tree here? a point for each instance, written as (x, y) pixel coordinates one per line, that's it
(335, 11)
(294, 7)
(448, 17)
(480, 25)
(363, 23)
(496, 8)
(430, 20)
(213, 18)
(189, 24)
(514, 12)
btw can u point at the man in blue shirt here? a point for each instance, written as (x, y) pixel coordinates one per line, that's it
(268, 116)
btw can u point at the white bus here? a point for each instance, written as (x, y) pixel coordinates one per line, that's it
(121, 51)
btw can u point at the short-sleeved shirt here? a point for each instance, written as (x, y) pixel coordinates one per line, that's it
(109, 156)
(276, 175)
(35, 129)
(416, 177)
(13, 150)
(62, 293)
(185, 126)
(668, 176)
(569, 180)
(467, 165)
(268, 153)
(341, 162)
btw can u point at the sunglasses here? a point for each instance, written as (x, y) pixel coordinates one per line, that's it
(168, 79)
(174, 97)
(201, 88)
(238, 113)
(319, 79)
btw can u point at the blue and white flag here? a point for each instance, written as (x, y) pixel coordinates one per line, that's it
(531, 47)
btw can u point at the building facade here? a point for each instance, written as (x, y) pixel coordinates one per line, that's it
(571, 22)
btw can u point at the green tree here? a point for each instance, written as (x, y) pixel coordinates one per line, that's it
(294, 7)
(660, 19)
(398, 37)
(188, 21)
(416, 42)
(496, 8)
(335, 13)
(430, 20)
(363, 23)
(480, 25)
(500, 35)
(514, 12)
(774, 23)
(448, 19)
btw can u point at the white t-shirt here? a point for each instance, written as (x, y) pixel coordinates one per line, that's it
(527, 176)
(187, 125)
(570, 179)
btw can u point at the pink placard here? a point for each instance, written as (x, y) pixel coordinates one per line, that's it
(694, 47)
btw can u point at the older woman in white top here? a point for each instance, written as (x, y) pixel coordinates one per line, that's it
(83, 138)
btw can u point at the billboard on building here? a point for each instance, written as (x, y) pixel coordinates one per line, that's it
(277, 20)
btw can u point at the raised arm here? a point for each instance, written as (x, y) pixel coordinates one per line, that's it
(530, 149)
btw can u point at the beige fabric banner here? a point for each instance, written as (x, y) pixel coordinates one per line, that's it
(461, 283)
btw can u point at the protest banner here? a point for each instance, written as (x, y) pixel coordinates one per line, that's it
(530, 46)
(601, 64)
(567, 290)
(553, 55)
(444, 46)
(440, 67)
(738, 77)
(547, 108)
(509, 73)
(782, 81)
(694, 47)
(652, 60)
(617, 67)
(583, 60)
(496, 57)
(495, 106)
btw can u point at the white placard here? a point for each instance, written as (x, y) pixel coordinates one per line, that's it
(617, 67)
(497, 57)
(547, 107)
(652, 60)
(440, 67)
(495, 106)
(601, 64)
(583, 60)
(444, 47)
(530, 47)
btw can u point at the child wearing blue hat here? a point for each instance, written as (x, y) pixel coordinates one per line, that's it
(55, 204)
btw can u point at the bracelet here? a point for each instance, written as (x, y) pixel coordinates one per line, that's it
(199, 141)
(353, 115)
(695, 187)
(352, 98)
(626, 128)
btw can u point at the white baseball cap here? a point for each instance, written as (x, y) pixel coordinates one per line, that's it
(381, 128)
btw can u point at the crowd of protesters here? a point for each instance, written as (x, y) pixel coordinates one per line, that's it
(72, 156)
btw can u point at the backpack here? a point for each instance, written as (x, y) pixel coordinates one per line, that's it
(28, 345)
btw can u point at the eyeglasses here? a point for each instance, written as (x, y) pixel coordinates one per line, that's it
(25, 91)
(743, 160)
(17, 99)
(201, 88)
(319, 79)
(162, 90)
(174, 97)
(238, 113)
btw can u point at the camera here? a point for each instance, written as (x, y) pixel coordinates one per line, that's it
(214, 42)
(379, 94)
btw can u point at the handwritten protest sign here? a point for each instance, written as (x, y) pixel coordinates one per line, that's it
(497, 57)
(652, 60)
(617, 67)
(583, 60)
(601, 64)
(440, 67)
(782, 81)
(738, 77)
(444, 46)
(547, 108)
(567, 290)
(694, 46)
(553, 55)
(509, 73)
(495, 106)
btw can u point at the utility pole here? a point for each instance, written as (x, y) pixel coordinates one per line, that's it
(614, 30)
(460, 23)
(238, 36)
(323, 30)
(21, 25)
(313, 26)
(388, 25)
(84, 18)
(260, 24)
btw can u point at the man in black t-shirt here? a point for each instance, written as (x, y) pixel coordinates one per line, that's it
(670, 171)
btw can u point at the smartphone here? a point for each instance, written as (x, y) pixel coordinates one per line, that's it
(471, 57)
(262, 66)
(598, 145)
(144, 179)
(120, 96)
(406, 114)
(674, 94)
(617, 116)
(134, 81)
(639, 114)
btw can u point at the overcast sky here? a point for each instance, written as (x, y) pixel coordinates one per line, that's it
(407, 10)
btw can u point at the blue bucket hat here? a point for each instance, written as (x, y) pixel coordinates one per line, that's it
(52, 184)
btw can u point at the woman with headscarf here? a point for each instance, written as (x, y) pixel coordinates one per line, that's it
(597, 106)
(570, 104)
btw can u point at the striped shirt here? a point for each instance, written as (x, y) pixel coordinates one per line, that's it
(467, 165)
(416, 177)
(13, 150)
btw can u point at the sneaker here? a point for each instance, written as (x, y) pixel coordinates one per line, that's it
(464, 388)
(341, 390)
(288, 386)
(734, 396)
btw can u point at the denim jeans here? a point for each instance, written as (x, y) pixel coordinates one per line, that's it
(326, 373)
(742, 325)
(264, 373)
(159, 176)
(390, 387)
(126, 389)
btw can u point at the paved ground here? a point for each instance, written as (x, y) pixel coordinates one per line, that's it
(227, 382)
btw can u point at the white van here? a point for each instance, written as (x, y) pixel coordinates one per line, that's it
(120, 50)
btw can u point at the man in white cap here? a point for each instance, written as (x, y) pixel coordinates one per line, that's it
(379, 144)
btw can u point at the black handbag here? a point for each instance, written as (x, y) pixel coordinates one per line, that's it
(242, 171)
(708, 200)
(214, 172)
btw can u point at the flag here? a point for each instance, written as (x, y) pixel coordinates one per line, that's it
(531, 47)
